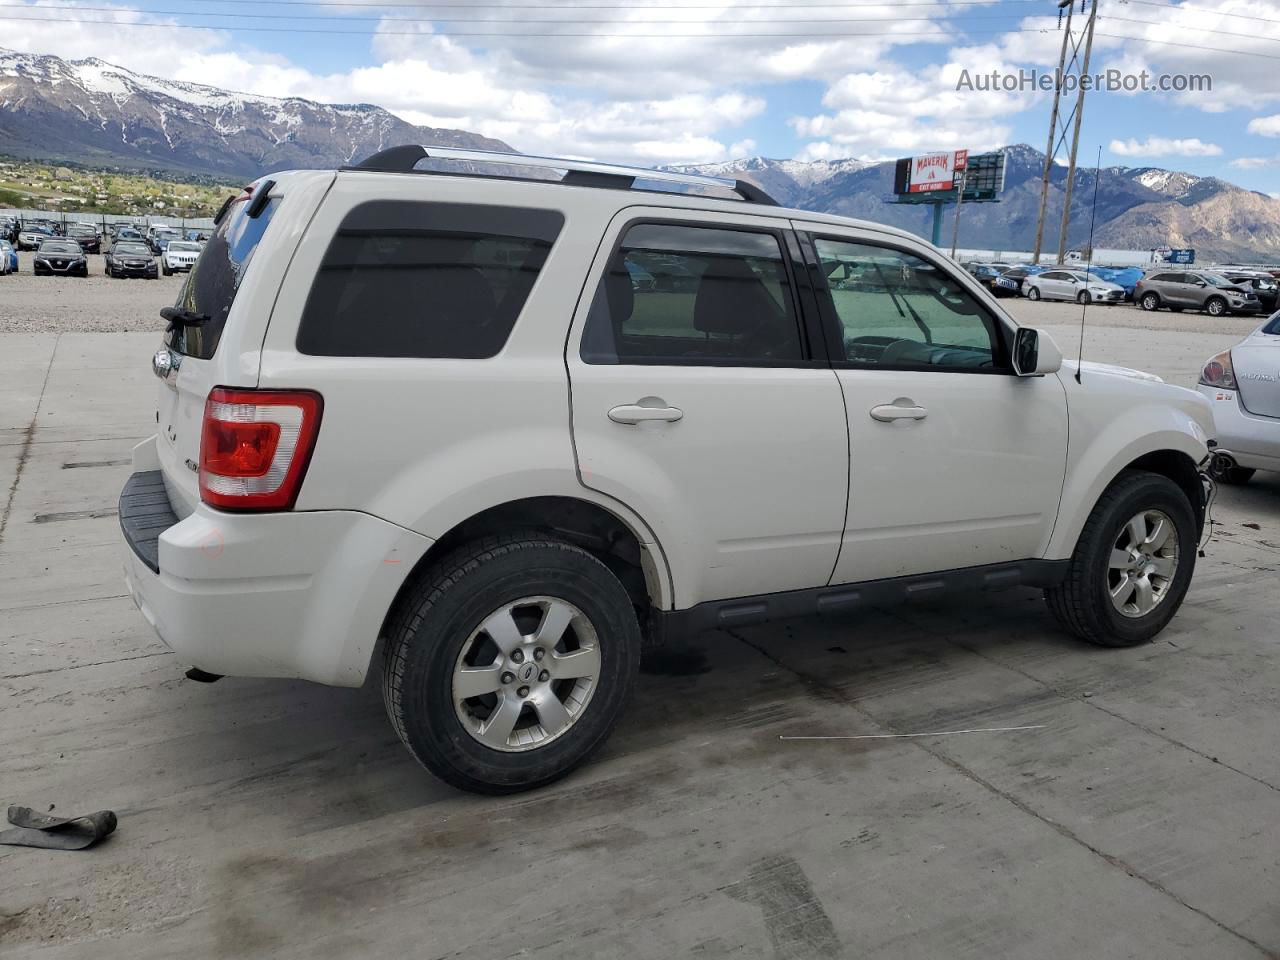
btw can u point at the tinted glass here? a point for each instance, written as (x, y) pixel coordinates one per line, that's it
(212, 284)
(425, 280)
(132, 250)
(693, 295)
(897, 309)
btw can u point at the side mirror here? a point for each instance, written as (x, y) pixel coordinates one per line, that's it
(1034, 353)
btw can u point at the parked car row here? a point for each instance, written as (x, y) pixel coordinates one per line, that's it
(1220, 291)
(131, 253)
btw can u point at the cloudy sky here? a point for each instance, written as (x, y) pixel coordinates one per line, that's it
(671, 81)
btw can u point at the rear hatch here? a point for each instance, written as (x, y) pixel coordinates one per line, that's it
(1256, 361)
(218, 281)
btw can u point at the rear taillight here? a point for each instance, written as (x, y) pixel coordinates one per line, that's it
(255, 446)
(1218, 372)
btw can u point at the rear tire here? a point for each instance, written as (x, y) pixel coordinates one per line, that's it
(1033, 293)
(439, 636)
(1095, 601)
(1150, 301)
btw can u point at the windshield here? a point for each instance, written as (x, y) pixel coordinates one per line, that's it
(212, 284)
(1216, 280)
(133, 250)
(180, 246)
(59, 246)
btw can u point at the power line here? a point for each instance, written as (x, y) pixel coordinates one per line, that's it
(1181, 8)
(1190, 46)
(500, 34)
(1225, 33)
(827, 34)
(355, 19)
(654, 6)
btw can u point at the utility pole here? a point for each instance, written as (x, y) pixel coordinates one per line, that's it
(1057, 126)
(1075, 136)
(955, 231)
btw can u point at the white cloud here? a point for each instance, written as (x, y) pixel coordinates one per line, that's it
(1253, 163)
(1164, 147)
(1265, 126)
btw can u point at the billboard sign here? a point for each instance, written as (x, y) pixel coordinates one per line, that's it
(937, 178)
(933, 171)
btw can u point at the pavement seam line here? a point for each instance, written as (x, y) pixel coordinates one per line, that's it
(1092, 702)
(829, 691)
(25, 453)
(81, 666)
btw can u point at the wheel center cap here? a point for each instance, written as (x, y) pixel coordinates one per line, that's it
(527, 672)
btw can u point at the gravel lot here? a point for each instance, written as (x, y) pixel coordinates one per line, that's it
(31, 304)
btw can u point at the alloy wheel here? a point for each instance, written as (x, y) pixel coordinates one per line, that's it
(1144, 561)
(526, 674)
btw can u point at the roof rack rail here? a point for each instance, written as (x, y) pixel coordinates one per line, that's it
(581, 173)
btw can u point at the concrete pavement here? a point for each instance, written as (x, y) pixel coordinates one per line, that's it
(276, 819)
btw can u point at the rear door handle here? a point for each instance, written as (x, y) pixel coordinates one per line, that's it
(646, 409)
(900, 409)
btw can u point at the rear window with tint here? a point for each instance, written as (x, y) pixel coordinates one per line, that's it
(429, 280)
(212, 284)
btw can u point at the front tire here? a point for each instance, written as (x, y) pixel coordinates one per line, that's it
(1216, 307)
(1083, 297)
(1132, 565)
(461, 642)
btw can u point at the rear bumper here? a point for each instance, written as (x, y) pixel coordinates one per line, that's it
(1250, 439)
(299, 594)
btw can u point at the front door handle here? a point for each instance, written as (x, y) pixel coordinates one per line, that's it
(901, 409)
(645, 409)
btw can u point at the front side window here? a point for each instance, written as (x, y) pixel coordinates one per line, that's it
(678, 294)
(426, 280)
(898, 310)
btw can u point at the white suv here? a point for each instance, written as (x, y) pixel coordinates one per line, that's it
(507, 431)
(179, 256)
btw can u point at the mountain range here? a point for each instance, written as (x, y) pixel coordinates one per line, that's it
(94, 113)
(1138, 208)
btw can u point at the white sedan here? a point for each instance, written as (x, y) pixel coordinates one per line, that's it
(1243, 386)
(1072, 285)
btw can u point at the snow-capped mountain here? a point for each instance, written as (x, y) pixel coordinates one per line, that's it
(785, 180)
(1138, 207)
(93, 112)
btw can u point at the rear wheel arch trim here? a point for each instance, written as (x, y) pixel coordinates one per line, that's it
(655, 565)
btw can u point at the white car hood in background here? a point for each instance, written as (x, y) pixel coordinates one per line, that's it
(1089, 366)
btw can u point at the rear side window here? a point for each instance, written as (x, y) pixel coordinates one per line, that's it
(428, 280)
(676, 294)
(212, 284)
